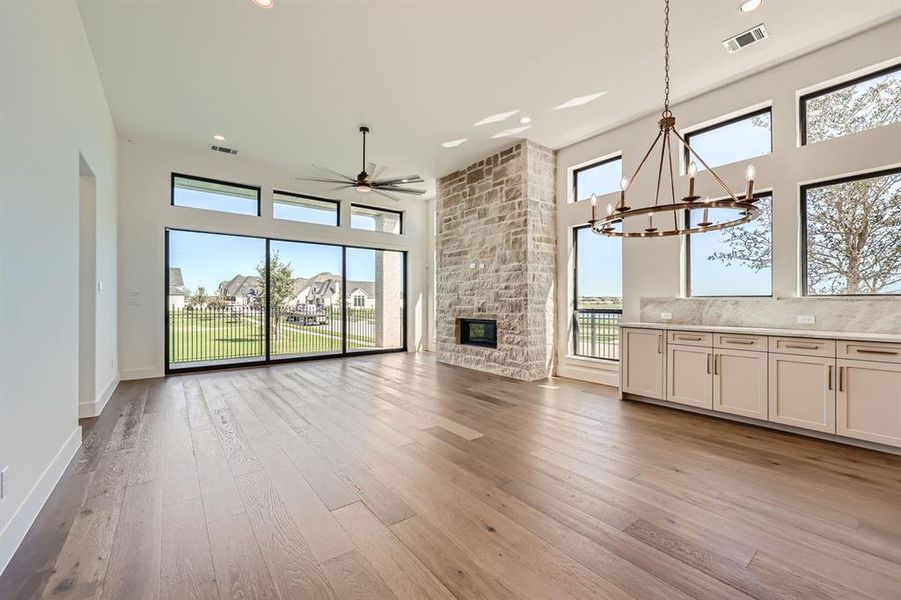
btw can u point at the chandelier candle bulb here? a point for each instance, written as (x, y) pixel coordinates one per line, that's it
(594, 206)
(692, 170)
(750, 174)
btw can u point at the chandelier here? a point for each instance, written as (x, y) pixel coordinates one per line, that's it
(717, 214)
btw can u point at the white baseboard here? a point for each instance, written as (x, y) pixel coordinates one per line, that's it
(589, 370)
(142, 373)
(93, 409)
(22, 519)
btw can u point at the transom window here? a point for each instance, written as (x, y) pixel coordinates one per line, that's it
(863, 103)
(737, 261)
(851, 235)
(212, 194)
(305, 209)
(376, 219)
(599, 178)
(737, 139)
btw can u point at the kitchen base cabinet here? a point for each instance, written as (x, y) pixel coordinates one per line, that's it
(802, 391)
(740, 383)
(868, 401)
(643, 362)
(689, 375)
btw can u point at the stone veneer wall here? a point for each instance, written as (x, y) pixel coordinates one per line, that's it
(496, 247)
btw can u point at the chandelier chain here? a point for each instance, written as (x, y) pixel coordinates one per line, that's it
(666, 111)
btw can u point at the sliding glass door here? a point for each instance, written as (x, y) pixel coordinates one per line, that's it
(238, 300)
(305, 305)
(375, 299)
(213, 301)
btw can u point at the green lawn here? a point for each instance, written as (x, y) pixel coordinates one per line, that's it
(196, 336)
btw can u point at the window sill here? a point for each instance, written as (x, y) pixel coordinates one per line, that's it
(602, 364)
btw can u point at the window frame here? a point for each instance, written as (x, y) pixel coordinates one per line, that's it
(686, 153)
(686, 215)
(804, 98)
(337, 204)
(380, 209)
(802, 205)
(574, 344)
(588, 167)
(257, 189)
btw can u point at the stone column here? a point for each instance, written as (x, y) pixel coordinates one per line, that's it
(388, 299)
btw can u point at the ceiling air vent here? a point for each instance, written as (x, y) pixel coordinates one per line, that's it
(746, 38)
(224, 149)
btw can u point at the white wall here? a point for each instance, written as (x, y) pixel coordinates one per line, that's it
(145, 212)
(654, 267)
(52, 108)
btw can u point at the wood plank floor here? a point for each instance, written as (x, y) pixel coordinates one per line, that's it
(392, 476)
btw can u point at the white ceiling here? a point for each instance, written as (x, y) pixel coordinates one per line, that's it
(290, 85)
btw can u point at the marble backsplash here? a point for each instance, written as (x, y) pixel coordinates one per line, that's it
(879, 315)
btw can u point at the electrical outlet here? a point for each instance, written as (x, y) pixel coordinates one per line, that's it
(806, 319)
(666, 316)
(4, 482)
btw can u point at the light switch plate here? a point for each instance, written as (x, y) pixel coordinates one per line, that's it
(666, 316)
(806, 319)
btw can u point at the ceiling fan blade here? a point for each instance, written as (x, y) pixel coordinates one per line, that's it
(385, 194)
(340, 187)
(396, 180)
(321, 180)
(374, 171)
(399, 190)
(333, 172)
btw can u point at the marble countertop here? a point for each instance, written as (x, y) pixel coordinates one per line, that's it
(804, 333)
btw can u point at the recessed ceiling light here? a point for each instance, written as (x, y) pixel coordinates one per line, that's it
(263, 3)
(219, 137)
(749, 5)
(525, 120)
(580, 100)
(509, 132)
(496, 118)
(454, 143)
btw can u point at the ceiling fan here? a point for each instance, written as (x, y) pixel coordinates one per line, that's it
(366, 182)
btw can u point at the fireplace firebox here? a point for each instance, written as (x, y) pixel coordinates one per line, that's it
(477, 332)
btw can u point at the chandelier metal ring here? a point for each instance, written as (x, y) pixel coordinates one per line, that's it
(747, 211)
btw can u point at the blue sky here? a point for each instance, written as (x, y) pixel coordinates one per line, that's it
(207, 259)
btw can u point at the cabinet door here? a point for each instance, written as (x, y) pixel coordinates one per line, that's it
(868, 402)
(689, 375)
(740, 382)
(802, 391)
(642, 368)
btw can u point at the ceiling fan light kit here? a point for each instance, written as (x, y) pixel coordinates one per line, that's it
(738, 211)
(366, 181)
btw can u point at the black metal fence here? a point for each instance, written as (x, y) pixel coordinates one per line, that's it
(596, 332)
(237, 332)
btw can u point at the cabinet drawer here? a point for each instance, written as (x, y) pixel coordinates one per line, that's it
(806, 346)
(874, 351)
(739, 341)
(690, 338)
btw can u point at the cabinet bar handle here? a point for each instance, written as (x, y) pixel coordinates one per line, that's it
(688, 338)
(716, 364)
(875, 351)
(738, 341)
(829, 379)
(803, 346)
(708, 363)
(659, 344)
(841, 379)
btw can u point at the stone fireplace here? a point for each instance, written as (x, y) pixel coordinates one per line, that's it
(496, 248)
